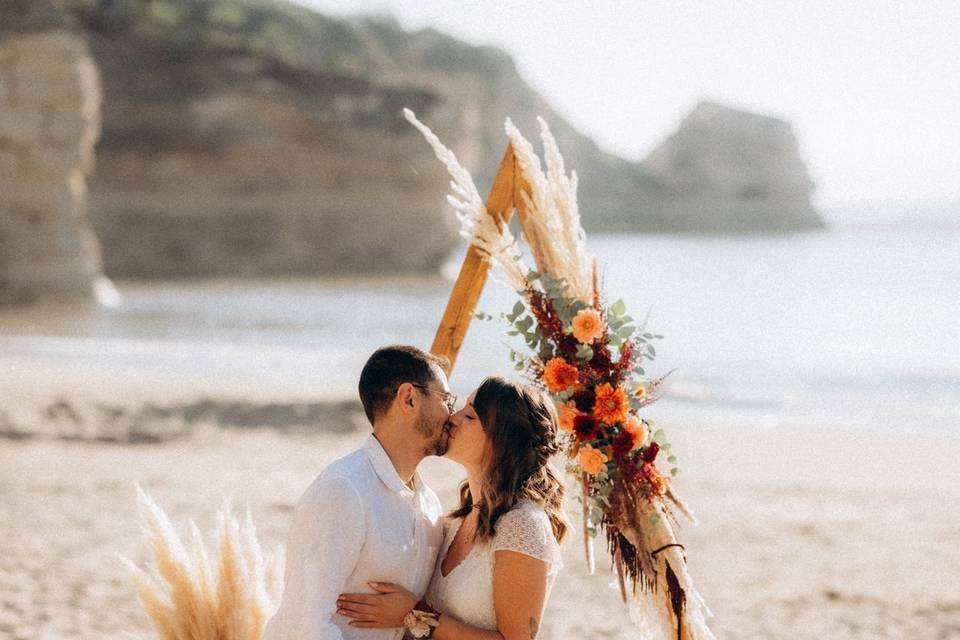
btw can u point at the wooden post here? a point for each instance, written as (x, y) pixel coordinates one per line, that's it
(473, 273)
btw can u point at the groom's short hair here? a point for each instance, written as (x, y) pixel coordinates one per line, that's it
(387, 369)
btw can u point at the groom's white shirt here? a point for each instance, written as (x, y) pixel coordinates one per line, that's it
(357, 522)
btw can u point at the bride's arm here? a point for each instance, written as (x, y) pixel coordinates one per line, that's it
(519, 589)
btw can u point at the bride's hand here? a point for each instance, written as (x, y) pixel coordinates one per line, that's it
(383, 610)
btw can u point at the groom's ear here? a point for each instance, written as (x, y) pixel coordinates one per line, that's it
(405, 397)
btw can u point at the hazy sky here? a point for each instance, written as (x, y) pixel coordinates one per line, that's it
(871, 87)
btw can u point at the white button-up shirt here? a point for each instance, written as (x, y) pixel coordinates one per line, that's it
(357, 522)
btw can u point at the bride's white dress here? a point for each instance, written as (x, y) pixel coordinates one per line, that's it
(466, 593)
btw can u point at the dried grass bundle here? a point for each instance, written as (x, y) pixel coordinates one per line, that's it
(186, 597)
(552, 224)
(491, 237)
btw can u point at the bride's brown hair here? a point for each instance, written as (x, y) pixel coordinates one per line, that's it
(521, 423)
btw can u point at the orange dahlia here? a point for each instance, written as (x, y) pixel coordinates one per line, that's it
(593, 461)
(638, 428)
(568, 412)
(588, 326)
(611, 405)
(559, 375)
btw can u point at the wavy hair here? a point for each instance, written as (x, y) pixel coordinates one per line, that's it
(521, 423)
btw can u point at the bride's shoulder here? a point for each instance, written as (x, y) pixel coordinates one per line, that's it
(526, 528)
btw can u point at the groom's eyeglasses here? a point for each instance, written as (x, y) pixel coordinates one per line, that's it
(449, 399)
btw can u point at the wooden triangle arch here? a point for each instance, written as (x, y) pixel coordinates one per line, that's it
(504, 198)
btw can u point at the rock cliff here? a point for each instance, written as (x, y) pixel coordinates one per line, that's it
(259, 137)
(726, 170)
(49, 120)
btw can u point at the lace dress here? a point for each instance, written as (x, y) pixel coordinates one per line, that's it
(466, 593)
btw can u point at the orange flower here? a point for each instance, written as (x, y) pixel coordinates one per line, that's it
(611, 405)
(593, 461)
(638, 429)
(568, 411)
(588, 326)
(559, 375)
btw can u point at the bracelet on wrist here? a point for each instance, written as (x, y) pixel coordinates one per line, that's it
(421, 623)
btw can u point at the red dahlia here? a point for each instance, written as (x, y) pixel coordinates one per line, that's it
(622, 444)
(585, 427)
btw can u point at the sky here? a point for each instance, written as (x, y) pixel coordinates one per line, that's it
(872, 88)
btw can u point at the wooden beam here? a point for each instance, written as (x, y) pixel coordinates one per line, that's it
(473, 273)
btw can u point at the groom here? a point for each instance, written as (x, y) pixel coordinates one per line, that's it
(370, 513)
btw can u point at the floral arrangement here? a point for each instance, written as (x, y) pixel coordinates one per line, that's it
(588, 355)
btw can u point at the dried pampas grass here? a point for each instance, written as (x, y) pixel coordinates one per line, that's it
(188, 598)
(551, 223)
(485, 232)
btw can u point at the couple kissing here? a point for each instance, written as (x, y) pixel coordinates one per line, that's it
(370, 554)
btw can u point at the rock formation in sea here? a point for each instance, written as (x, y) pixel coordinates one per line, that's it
(731, 171)
(49, 121)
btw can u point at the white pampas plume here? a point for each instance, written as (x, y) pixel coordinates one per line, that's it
(188, 599)
(552, 221)
(482, 230)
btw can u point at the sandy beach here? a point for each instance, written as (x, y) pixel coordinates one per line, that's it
(804, 534)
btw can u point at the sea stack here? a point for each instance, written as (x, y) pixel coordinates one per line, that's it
(49, 123)
(730, 171)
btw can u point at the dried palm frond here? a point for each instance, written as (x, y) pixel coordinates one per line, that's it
(188, 599)
(485, 232)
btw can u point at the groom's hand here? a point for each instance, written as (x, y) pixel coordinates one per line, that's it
(383, 610)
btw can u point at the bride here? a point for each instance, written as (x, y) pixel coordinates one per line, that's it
(501, 550)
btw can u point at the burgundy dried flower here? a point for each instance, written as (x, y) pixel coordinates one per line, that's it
(650, 453)
(601, 360)
(568, 345)
(585, 399)
(585, 427)
(623, 444)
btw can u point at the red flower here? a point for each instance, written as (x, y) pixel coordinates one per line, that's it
(623, 444)
(585, 426)
(584, 399)
(568, 345)
(601, 360)
(650, 453)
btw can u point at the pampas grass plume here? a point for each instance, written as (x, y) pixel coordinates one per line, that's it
(185, 597)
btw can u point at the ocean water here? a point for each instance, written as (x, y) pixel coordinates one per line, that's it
(857, 326)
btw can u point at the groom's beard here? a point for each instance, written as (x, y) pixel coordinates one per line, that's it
(438, 439)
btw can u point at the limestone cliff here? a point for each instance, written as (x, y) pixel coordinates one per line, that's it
(49, 121)
(259, 137)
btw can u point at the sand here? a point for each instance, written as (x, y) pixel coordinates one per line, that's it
(803, 534)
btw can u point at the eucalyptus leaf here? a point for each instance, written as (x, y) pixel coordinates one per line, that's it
(618, 308)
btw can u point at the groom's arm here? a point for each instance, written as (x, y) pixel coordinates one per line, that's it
(323, 548)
